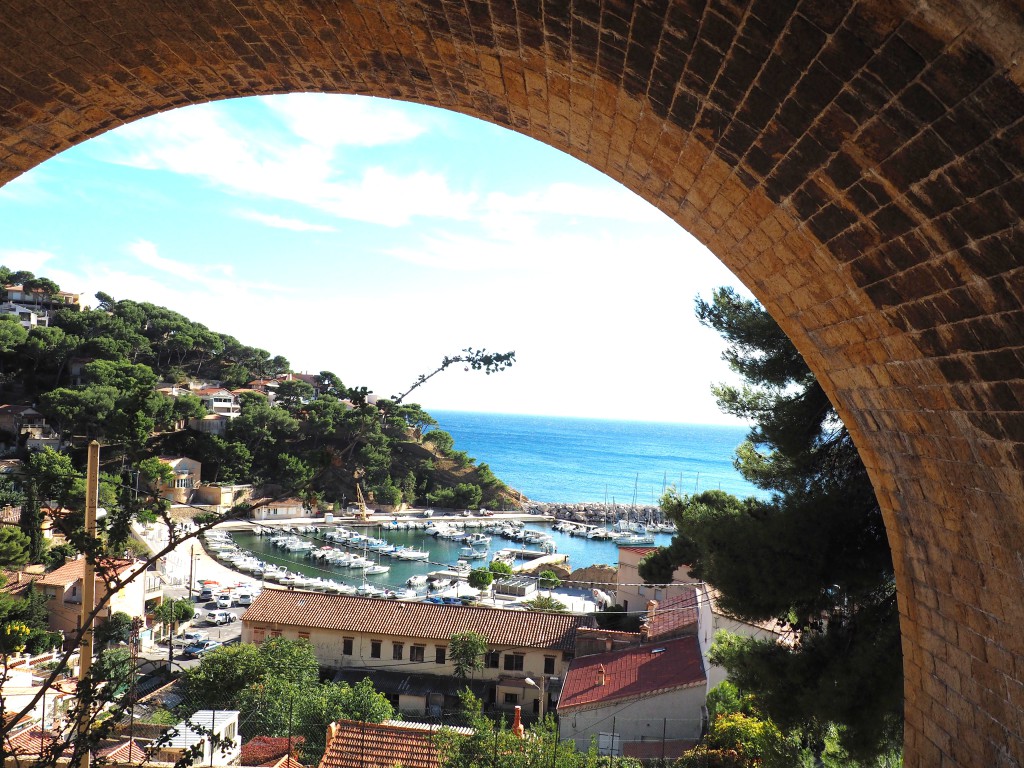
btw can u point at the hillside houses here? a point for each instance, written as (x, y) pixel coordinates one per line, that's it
(404, 645)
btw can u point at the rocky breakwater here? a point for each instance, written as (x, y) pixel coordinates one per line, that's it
(595, 513)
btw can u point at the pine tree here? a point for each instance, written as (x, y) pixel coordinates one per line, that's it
(814, 554)
(32, 523)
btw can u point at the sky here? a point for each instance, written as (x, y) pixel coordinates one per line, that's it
(371, 238)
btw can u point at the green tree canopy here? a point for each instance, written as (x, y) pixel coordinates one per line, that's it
(466, 650)
(812, 553)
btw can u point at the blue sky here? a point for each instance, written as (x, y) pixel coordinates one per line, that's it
(371, 238)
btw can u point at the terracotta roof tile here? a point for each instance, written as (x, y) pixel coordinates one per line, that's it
(521, 629)
(639, 550)
(28, 742)
(672, 616)
(125, 752)
(632, 673)
(74, 570)
(268, 750)
(376, 745)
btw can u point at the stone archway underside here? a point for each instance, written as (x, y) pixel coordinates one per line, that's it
(859, 164)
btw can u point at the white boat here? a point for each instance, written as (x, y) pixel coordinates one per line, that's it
(419, 580)
(413, 554)
(469, 553)
(368, 590)
(374, 570)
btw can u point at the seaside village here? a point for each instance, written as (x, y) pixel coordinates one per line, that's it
(636, 693)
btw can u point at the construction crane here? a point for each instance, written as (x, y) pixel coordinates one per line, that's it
(364, 513)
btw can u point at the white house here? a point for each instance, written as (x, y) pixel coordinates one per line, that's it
(28, 318)
(216, 730)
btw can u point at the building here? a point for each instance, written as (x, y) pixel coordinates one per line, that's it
(63, 590)
(280, 509)
(405, 645)
(219, 400)
(187, 476)
(646, 693)
(630, 590)
(222, 495)
(215, 730)
(28, 318)
(18, 294)
(210, 424)
(712, 619)
(352, 744)
(17, 419)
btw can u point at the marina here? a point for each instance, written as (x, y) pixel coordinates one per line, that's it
(413, 558)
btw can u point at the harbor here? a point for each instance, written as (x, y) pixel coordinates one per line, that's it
(406, 557)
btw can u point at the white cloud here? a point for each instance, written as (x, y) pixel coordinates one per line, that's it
(25, 259)
(282, 222)
(206, 143)
(328, 121)
(610, 202)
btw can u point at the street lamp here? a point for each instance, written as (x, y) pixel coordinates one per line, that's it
(541, 689)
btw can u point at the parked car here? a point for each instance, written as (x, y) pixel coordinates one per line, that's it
(206, 595)
(198, 649)
(224, 601)
(245, 598)
(190, 638)
(220, 617)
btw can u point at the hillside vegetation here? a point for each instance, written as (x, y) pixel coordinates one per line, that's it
(126, 373)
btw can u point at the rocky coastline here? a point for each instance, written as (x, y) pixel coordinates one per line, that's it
(594, 513)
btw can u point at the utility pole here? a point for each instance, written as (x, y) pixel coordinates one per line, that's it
(191, 563)
(92, 482)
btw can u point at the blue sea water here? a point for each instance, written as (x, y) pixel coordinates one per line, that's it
(556, 459)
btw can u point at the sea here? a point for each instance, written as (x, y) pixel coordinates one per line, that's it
(561, 460)
(571, 460)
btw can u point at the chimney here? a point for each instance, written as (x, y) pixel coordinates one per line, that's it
(652, 608)
(332, 731)
(600, 674)
(608, 643)
(517, 724)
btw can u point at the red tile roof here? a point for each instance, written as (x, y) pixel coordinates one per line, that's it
(673, 616)
(74, 570)
(125, 752)
(520, 629)
(632, 673)
(268, 750)
(378, 745)
(28, 742)
(639, 550)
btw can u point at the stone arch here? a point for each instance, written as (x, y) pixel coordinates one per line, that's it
(858, 163)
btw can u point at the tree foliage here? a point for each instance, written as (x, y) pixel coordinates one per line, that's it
(812, 554)
(466, 650)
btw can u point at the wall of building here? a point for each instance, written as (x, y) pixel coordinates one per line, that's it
(330, 651)
(676, 714)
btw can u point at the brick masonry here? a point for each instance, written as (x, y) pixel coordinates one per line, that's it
(860, 166)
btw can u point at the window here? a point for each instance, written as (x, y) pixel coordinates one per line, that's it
(513, 662)
(375, 649)
(259, 635)
(275, 633)
(549, 665)
(397, 649)
(416, 653)
(511, 698)
(491, 659)
(346, 646)
(303, 635)
(439, 654)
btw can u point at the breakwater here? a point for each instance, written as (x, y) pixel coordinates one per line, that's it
(595, 513)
